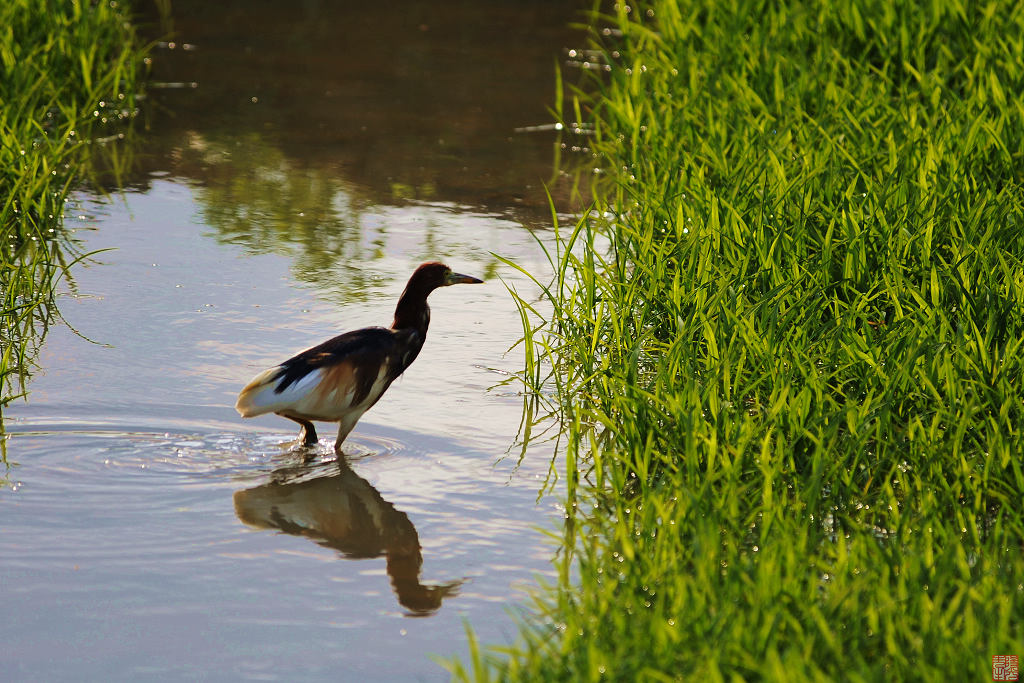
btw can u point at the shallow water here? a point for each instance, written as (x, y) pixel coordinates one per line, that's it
(131, 543)
(150, 533)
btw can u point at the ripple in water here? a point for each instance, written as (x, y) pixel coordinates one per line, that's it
(151, 523)
(77, 482)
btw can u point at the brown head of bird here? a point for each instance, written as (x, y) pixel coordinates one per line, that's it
(412, 310)
(340, 379)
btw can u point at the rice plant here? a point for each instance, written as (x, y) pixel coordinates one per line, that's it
(791, 382)
(69, 75)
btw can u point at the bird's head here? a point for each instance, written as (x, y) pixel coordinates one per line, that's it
(412, 310)
(431, 275)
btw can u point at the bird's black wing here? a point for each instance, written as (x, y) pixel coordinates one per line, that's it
(366, 350)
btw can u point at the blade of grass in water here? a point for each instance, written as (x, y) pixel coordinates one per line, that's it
(69, 74)
(791, 385)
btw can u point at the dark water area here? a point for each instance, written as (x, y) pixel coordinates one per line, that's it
(148, 532)
(404, 100)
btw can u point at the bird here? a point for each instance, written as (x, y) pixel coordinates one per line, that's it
(342, 378)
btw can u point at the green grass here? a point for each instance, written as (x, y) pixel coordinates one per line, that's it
(69, 73)
(787, 351)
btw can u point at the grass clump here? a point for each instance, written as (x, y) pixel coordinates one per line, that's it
(790, 375)
(69, 72)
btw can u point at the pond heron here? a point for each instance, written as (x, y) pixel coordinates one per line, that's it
(341, 379)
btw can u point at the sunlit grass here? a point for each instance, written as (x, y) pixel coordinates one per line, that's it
(791, 387)
(69, 73)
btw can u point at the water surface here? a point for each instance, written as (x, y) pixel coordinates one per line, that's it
(150, 533)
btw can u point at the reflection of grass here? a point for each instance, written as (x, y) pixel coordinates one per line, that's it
(68, 72)
(255, 197)
(792, 387)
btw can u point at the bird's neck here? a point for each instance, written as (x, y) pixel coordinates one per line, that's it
(412, 311)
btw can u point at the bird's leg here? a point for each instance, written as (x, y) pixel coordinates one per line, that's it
(308, 433)
(338, 442)
(344, 427)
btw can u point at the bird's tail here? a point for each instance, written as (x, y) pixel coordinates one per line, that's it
(258, 397)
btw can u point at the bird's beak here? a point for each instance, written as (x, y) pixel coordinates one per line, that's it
(459, 279)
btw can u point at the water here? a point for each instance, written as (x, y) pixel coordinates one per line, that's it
(148, 532)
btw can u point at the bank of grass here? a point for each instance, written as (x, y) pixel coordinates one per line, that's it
(792, 386)
(69, 73)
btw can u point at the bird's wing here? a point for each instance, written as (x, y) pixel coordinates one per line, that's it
(366, 349)
(325, 380)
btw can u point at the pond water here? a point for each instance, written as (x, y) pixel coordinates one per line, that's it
(148, 532)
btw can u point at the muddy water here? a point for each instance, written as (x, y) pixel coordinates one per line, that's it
(147, 531)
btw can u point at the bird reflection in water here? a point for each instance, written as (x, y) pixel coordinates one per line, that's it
(332, 505)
